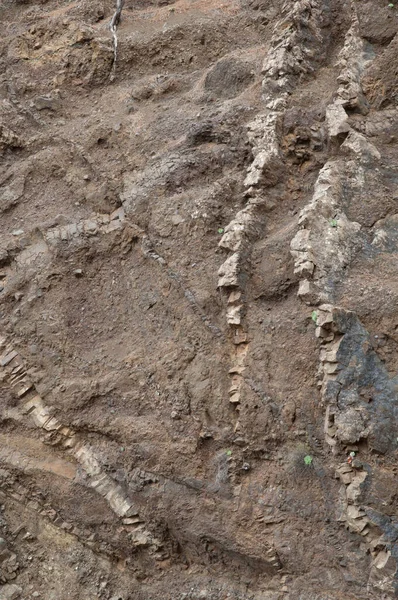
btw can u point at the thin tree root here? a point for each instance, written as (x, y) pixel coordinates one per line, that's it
(113, 27)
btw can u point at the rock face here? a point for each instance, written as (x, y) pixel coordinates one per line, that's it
(198, 300)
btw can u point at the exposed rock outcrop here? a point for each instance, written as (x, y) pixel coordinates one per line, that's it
(198, 297)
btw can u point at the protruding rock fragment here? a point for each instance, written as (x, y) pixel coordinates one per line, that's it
(267, 166)
(308, 292)
(10, 591)
(5, 360)
(229, 271)
(234, 314)
(337, 120)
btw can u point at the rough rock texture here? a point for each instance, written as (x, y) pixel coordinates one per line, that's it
(198, 300)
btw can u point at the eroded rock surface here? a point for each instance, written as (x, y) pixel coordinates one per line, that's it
(198, 300)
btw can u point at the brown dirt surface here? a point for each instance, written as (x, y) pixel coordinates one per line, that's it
(198, 300)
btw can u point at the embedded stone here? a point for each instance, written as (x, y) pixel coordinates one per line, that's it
(228, 272)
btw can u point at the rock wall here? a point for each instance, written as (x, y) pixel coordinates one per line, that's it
(198, 244)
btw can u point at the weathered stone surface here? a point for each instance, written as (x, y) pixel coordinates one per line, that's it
(328, 240)
(162, 436)
(267, 166)
(351, 425)
(337, 120)
(238, 230)
(357, 144)
(8, 138)
(228, 78)
(11, 190)
(46, 103)
(308, 292)
(228, 273)
(10, 591)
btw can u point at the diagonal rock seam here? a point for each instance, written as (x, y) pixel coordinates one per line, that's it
(327, 239)
(289, 57)
(323, 246)
(12, 371)
(57, 434)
